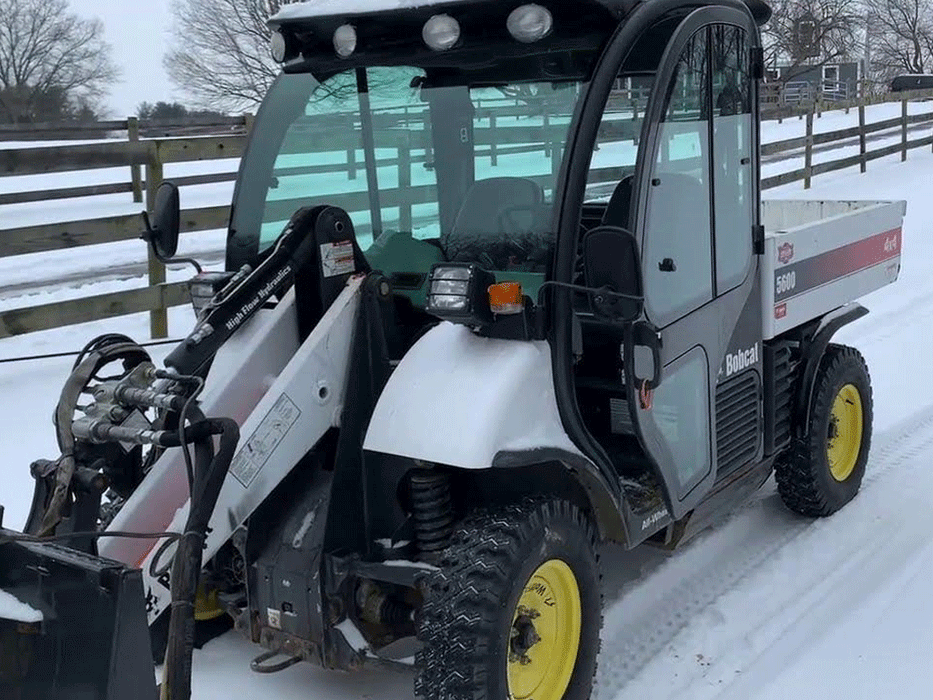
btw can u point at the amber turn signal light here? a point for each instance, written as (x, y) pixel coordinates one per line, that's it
(506, 298)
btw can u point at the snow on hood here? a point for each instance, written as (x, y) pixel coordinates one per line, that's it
(326, 8)
(12, 609)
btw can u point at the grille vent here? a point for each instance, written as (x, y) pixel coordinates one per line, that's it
(738, 421)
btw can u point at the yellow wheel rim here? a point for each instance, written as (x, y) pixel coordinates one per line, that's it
(845, 432)
(206, 604)
(545, 634)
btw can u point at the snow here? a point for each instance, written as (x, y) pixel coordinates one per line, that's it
(764, 606)
(11, 608)
(325, 8)
(410, 564)
(354, 636)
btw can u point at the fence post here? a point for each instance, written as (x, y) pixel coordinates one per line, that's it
(808, 155)
(132, 132)
(556, 155)
(248, 120)
(903, 129)
(428, 142)
(493, 151)
(351, 163)
(863, 163)
(158, 318)
(404, 184)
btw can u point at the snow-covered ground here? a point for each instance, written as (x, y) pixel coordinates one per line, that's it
(766, 605)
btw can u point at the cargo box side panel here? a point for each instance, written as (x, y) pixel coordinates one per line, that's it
(811, 269)
(786, 214)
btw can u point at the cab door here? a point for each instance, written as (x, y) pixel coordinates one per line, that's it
(694, 194)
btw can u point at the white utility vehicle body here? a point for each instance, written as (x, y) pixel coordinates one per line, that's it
(819, 255)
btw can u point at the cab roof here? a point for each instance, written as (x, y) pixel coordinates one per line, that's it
(389, 32)
(309, 9)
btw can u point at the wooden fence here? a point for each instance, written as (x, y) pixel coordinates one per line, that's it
(493, 140)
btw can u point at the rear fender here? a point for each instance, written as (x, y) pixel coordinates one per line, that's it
(812, 354)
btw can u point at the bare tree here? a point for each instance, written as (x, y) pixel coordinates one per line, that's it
(807, 34)
(53, 64)
(901, 35)
(221, 52)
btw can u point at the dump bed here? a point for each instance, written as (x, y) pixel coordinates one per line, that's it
(820, 255)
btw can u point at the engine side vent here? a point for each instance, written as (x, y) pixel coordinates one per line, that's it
(780, 371)
(738, 421)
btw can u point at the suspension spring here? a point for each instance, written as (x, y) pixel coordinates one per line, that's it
(395, 614)
(432, 509)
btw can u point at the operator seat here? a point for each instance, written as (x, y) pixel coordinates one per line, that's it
(618, 210)
(486, 209)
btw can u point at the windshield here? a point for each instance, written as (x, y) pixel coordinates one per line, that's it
(427, 172)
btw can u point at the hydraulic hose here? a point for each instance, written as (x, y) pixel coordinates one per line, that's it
(186, 566)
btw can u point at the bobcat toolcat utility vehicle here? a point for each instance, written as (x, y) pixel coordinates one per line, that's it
(500, 287)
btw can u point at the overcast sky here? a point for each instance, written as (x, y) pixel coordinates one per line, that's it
(138, 31)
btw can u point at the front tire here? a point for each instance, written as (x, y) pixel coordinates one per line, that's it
(823, 470)
(514, 609)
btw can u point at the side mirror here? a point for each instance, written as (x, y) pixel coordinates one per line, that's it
(162, 233)
(613, 272)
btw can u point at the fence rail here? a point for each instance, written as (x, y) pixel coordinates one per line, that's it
(494, 140)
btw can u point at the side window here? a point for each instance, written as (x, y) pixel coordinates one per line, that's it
(732, 143)
(678, 250)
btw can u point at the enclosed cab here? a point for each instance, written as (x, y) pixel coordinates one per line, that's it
(525, 299)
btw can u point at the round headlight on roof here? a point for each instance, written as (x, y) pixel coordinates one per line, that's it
(278, 46)
(530, 23)
(441, 32)
(345, 40)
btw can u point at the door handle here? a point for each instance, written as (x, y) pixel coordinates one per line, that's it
(667, 265)
(644, 335)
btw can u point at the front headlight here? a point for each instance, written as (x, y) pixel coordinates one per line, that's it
(457, 293)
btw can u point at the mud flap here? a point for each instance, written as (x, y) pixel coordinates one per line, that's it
(92, 642)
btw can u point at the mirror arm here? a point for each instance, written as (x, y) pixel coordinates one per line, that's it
(585, 290)
(147, 236)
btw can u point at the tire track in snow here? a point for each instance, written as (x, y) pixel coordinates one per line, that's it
(685, 603)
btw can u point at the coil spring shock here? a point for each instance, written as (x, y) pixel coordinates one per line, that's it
(376, 606)
(432, 509)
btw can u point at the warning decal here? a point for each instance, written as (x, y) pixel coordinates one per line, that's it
(337, 259)
(252, 457)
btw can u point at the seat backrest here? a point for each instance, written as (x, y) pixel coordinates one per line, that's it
(492, 207)
(619, 207)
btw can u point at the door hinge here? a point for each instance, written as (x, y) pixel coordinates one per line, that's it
(757, 59)
(758, 239)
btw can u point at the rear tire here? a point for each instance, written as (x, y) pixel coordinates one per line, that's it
(514, 609)
(823, 470)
